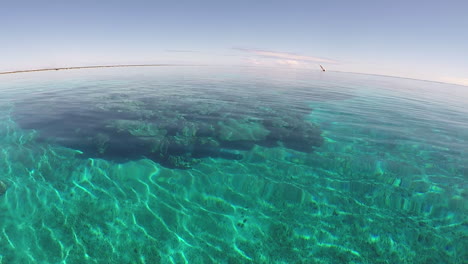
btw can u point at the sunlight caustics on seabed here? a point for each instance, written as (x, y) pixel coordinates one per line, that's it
(190, 165)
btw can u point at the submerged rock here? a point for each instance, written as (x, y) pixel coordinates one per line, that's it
(241, 130)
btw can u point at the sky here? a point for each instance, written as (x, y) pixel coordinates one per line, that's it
(414, 39)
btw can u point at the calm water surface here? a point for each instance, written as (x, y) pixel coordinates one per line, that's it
(203, 165)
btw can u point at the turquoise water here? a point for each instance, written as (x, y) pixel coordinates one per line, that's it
(202, 165)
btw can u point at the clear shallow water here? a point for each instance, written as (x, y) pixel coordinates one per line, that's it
(196, 165)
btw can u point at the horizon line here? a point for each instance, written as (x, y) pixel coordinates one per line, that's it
(400, 77)
(95, 67)
(168, 64)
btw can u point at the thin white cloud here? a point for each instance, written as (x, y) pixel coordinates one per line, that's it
(286, 56)
(182, 51)
(289, 62)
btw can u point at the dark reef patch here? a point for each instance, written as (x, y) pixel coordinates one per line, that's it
(174, 131)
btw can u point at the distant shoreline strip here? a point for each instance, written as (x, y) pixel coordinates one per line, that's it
(91, 67)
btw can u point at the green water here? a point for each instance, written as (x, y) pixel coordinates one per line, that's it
(386, 182)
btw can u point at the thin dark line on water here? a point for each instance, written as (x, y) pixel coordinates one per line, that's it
(400, 77)
(165, 65)
(96, 67)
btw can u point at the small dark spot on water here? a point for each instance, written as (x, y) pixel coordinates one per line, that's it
(241, 225)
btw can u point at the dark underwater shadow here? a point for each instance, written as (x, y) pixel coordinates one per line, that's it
(176, 132)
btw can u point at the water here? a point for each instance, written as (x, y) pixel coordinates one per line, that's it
(203, 165)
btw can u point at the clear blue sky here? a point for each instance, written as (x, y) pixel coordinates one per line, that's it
(414, 38)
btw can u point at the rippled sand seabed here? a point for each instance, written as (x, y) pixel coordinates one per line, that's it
(386, 180)
(351, 201)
